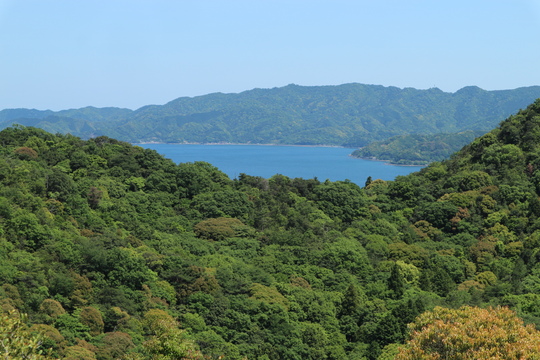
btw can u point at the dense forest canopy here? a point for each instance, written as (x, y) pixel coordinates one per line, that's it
(113, 251)
(351, 115)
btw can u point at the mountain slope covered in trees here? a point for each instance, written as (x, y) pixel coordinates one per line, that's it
(115, 252)
(416, 149)
(346, 115)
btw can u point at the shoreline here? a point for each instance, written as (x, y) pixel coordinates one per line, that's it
(242, 144)
(388, 162)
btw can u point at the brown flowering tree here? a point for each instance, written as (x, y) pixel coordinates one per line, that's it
(470, 333)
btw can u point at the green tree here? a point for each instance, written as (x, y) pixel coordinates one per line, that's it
(198, 177)
(113, 345)
(51, 309)
(351, 303)
(341, 199)
(224, 203)
(218, 228)
(17, 342)
(396, 282)
(91, 317)
(167, 341)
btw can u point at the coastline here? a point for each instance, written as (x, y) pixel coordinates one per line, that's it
(242, 144)
(387, 162)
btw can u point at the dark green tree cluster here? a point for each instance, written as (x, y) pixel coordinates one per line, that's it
(115, 252)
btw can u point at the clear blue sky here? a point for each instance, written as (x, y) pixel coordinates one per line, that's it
(59, 54)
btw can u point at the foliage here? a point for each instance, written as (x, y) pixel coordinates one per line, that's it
(167, 341)
(347, 115)
(114, 251)
(218, 228)
(416, 149)
(17, 341)
(91, 317)
(113, 345)
(471, 333)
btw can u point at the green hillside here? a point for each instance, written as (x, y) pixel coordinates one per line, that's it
(115, 252)
(352, 115)
(416, 149)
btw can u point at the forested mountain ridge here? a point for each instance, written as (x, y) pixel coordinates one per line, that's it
(102, 243)
(88, 113)
(345, 115)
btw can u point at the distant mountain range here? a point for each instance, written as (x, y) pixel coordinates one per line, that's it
(352, 115)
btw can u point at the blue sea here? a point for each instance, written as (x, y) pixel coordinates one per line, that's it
(307, 162)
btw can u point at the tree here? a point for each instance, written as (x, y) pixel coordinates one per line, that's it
(17, 342)
(198, 177)
(217, 228)
(369, 180)
(50, 309)
(167, 341)
(91, 317)
(437, 213)
(226, 203)
(341, 199)
(78, 353)
(470, 333)
(26, 153)
(396, 282)
(94, 197)
(441, 282)
(114, 344)
(352, 301)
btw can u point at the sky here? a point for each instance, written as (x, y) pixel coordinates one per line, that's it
(62, 54)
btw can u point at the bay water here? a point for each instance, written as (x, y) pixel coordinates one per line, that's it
(333, 163)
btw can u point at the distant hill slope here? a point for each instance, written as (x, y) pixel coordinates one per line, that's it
(417, 149)
(86, 122)
(347, 115)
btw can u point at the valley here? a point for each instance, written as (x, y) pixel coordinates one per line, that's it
(113, 251)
